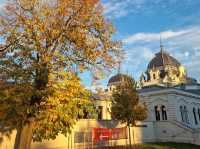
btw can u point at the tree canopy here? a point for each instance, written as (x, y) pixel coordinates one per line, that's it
(125, 103)
(45, 44)
(126, 107)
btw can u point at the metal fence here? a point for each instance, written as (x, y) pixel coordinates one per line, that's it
(99, 138)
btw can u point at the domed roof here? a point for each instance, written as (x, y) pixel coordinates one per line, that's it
(162, 59)
(119, 77)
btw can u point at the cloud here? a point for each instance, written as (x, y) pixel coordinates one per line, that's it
(118, 8)
(149, 37)
(2, 5)
(183, 44)
(136, 59)
(115, 9)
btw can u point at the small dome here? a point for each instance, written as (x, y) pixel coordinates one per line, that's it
(119, 78)
(162, 59)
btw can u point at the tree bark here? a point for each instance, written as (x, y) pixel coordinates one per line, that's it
(23, 137)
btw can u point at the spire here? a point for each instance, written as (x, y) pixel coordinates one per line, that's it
(161, 49)
(161, 44)
(119, 67)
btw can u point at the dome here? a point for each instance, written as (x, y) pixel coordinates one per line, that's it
(119, 78)
(162, 59)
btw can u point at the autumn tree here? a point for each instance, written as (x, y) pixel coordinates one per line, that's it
(125, 104)
(45, 44)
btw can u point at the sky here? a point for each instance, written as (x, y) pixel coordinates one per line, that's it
(139, 24)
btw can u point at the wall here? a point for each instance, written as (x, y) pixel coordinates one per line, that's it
(174, 132)
(144, 132)
(8, 142)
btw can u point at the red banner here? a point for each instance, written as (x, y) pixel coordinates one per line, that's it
(119, 133)
(100, 134)
(103, 134)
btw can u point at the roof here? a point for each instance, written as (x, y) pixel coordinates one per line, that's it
(119, 77)
(151, 89)
(193, 91)
(97, 96)
(159, 88)
(162, 59)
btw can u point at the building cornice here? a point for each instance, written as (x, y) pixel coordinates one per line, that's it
(170, 91)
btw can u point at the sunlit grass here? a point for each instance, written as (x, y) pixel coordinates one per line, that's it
(168, 145)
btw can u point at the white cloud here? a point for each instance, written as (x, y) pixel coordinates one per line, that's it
(2, 5)
(115, 9)
(136, 59)
(148, 37)
(120, 8)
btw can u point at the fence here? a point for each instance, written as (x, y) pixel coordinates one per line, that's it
(100, 137)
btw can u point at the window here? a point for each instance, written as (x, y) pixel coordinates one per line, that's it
(160, 112)
(186, 114)
(195, 117)
(199, 114)
(164, 113)
(154, 76)
(162, 73)
(100, 112)
(85, 114)
(157, 113)
(182, 114)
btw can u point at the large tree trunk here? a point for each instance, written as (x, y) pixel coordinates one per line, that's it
(24, 137)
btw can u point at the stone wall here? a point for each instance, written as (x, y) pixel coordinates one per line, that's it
(175, 132)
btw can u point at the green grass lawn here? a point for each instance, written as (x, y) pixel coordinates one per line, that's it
(169, 146)
(161, 146)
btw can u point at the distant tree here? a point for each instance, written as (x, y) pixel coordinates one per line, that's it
(125, 105)
(44, 43)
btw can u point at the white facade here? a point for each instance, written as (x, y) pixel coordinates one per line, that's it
(182, 123)
(173, 100)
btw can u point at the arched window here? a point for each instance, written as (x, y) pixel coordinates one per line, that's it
(154, 76)
(195, 117)
(182, 114)
(186, 114)
(164, 113)
(100, 112)
(162, 73)
(199, 113)
(157, 113)
(85, 114)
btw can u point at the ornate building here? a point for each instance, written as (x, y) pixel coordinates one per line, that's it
(164, 70)
(172, 99)
(173, 103)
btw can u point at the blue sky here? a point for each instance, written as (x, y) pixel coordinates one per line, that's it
(139, 24)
